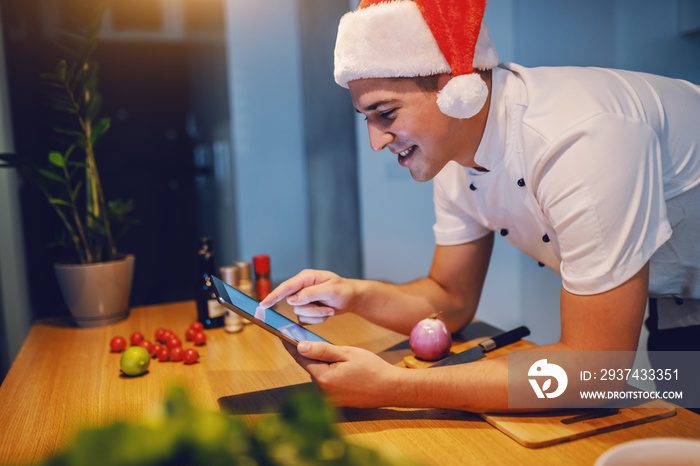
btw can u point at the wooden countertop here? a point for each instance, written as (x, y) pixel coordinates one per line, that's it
(65, 378)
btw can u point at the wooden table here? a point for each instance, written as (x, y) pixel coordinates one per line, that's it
(65, 378)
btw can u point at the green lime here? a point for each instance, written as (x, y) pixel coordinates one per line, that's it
(135, 360)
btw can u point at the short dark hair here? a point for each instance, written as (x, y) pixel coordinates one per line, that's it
(424, 83)
(427, 83)
(432, 83)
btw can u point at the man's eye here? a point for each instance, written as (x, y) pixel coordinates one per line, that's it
(389, 114)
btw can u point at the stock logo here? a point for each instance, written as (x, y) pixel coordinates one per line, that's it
(543, 370)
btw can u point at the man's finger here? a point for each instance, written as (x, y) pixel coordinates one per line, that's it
(314, 310)
(320, 351)
(279, 293)
(289, 287)
(312, 366)
(312, 320)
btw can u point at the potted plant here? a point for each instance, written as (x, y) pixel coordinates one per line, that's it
(97, 283)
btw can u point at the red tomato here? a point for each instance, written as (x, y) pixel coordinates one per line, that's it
(199, 338)
(136, 338)
(159, 334)
(177, 353)
(147, 345)
(163, 354)
(117, 345)
(155, 348)
(173, 342)
(166, 334)
(189, 334)
(197, 326)
(191, 356)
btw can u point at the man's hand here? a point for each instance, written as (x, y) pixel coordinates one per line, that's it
(315, 295)
(349, 376)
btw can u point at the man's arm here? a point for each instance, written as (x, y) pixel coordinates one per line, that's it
(608, 321)
(452, 289)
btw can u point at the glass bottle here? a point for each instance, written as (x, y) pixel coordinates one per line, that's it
(209, 312)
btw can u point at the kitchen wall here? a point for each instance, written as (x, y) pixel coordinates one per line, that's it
(267, 131)
(294, 160)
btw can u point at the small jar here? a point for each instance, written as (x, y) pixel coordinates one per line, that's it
(245, 282)
(233, 323)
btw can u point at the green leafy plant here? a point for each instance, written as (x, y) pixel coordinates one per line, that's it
(303, 433)
(69, 178)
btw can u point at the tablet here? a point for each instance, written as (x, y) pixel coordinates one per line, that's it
(270, 320)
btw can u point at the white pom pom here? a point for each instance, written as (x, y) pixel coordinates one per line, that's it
(463, 96)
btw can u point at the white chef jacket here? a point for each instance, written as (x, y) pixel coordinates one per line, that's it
(592, 172)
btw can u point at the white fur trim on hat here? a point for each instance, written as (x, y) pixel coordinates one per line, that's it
(391, 39)
(386, 40)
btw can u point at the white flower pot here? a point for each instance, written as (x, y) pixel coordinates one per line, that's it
(97, 294)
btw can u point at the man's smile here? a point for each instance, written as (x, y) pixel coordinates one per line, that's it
(405, 155)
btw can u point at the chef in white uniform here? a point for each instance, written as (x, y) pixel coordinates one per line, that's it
(597, 180)
(594, 173)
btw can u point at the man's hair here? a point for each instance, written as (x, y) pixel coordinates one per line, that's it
(431, 83)
(427, 83)
(424, 83)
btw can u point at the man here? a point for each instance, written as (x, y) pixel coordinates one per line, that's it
(592, 172)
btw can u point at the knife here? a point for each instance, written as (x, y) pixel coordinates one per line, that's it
(592, 414)
(479, 351)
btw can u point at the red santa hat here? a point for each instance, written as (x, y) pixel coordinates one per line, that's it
(407, 38)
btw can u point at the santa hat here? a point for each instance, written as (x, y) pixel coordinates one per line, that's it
(407, 38)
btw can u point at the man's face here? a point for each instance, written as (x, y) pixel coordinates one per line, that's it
(405, 119)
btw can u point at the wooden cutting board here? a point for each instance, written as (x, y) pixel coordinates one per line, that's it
(540, 430)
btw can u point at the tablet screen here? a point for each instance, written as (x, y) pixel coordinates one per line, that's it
(268, 319)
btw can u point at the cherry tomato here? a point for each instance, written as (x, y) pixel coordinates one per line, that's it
(159, 334)
(189, 334)
(199, 338)
(117, 345)
(166, 334)
(173, 342)
(163, 354)
(177, 354)
(191, 356)
(155, 349)
(136, 338)
(147, 345)
(197, 326)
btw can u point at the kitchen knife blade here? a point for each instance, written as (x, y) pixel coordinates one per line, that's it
(479, 351)
(595, 413)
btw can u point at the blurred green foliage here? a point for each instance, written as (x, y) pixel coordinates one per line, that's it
(303, 433)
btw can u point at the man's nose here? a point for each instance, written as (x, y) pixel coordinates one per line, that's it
(378, 138)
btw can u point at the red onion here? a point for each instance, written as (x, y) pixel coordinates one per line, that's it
(430, 339)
